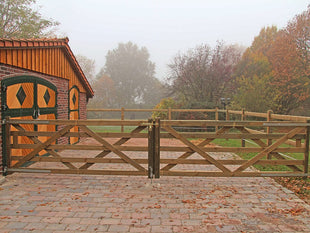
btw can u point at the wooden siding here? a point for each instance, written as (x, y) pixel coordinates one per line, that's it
(51, 61)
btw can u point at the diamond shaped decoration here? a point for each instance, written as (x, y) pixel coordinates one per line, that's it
(74, 98)
(21, 95)
(47, 96)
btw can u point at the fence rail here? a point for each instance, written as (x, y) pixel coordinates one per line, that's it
(243, 114)
(152, 154)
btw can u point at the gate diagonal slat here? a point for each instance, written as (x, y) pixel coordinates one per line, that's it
(201, 144)
(37, 141)
(264, 145)
(43, 145)
(112, 148)
(198, 150)
(269, 149)
(118, 143)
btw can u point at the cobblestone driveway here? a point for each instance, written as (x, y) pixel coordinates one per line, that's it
(68, 203)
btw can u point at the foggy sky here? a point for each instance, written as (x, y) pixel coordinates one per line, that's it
(165, 27)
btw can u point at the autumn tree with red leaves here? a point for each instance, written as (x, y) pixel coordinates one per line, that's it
(254, 74)
(274, 72)
(199, 77)
(290, 59)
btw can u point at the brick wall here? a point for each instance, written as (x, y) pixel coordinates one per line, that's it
(62, 96)
(82, 105)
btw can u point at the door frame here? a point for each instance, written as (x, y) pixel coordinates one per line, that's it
(20, 112)
(27, 111)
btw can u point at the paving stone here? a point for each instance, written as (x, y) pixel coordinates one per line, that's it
(16, 225)
(81, 203)
(119, 228)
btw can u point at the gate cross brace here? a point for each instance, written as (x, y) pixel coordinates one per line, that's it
(198, 150)
(43, 145)
(37, 141)
(264, 145)
(112, 148)
(269, 149)
(118, 143)
(188, 154)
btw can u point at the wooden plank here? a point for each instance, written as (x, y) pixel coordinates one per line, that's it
(189, 153)
(306, 153)
(40, 147)
(37, 141)
(269, 155)
(150, 154)
(162, 148)
(157, 148)
(163, 161)
(268, 149)
(7, 143)
(201, 123)
(197, 149)
(288, 142)
(119, 142)
(112, 148)
(85, 171)
(167, 135)
(221, 174)
(82, 122)
(279, 156)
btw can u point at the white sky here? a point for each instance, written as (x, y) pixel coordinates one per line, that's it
(165, 27)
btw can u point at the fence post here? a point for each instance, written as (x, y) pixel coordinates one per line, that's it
(227, 115)
(242, 119)
(269, 141)
(150, 148)
(216, 117)
(122, 118)
(306, 154)
(169, 113)
(157, 148)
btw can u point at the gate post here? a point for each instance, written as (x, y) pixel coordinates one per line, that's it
(157, 148)
(150, 148)
(154, 148)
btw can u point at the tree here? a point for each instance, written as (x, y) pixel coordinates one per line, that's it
(290, 58)
(105, 94)
(164, 104)
(202, 75)
(132, 73)
(88, 67)
(254, 74)
(254, 91)
(19, 20)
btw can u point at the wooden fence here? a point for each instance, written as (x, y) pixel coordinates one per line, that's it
(155, 148)
(241, 115)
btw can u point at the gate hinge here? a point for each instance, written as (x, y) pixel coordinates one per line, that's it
(4, 107)
(3, 88)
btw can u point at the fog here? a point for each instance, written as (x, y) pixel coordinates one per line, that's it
(165, 27)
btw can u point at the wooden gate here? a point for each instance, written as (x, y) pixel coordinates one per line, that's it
(170, 148)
